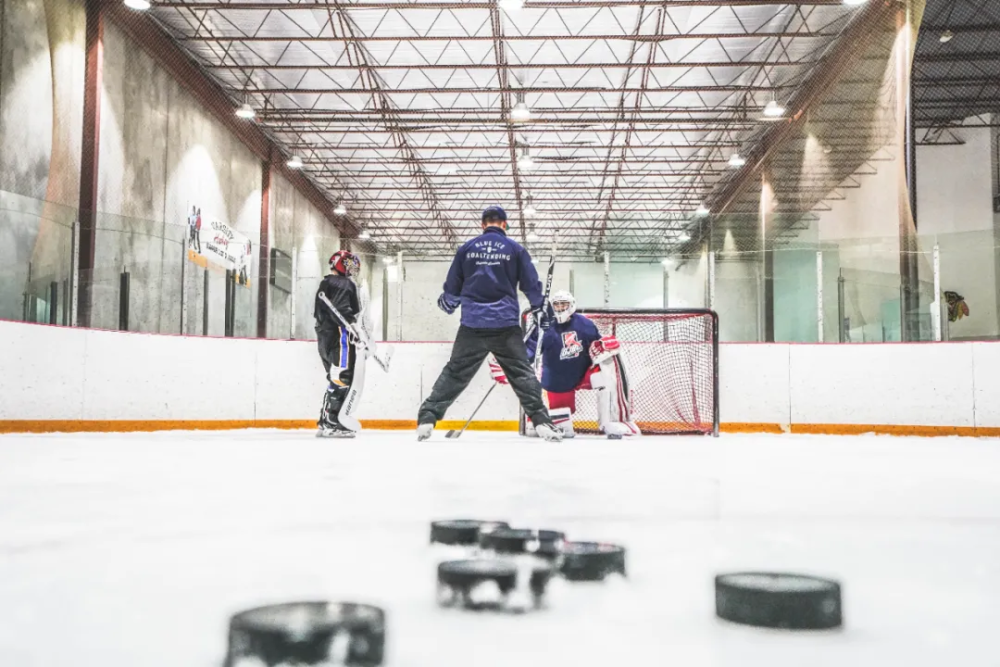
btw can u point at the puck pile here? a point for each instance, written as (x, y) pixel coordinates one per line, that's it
(495, 567)
(508, 569)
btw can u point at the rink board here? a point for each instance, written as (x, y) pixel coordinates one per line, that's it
(64, 379)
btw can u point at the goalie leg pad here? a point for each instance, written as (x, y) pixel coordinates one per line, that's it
(347, 415)
(614, 412)
(562, 405)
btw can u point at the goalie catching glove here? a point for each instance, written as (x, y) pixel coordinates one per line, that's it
(603, 349)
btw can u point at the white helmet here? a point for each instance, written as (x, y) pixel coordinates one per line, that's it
(563, 296)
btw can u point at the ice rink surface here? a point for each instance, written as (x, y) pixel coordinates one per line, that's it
(133, 550)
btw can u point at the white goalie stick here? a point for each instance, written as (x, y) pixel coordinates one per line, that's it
(382, 357)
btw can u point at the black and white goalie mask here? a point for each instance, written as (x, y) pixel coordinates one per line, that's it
(563, 305)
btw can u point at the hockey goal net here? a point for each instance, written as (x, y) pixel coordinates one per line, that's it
(671, 361)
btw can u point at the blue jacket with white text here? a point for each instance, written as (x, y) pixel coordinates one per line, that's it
(485, 276)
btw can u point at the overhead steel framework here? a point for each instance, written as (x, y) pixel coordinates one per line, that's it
(405, 111)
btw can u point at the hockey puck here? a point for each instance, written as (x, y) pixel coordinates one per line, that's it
(778, 600)
(462, 531)
(614, 436)
(591, 561)
(488, 584)
(543, 543)
(308, 633)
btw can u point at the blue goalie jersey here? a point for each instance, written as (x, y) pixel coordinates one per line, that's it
(565, 352)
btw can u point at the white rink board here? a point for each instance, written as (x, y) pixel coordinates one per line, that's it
(55, 373)
(918, 384)
(986, 368)
(753, 383)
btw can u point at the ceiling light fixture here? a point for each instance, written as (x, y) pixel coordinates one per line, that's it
(683, 237)
(294, 162)
(246, 111)
(703, 210)
(529, 209)
(138, 5)
(855, 3)
(525, 162)
(774, 110)
(364, 234)
(946, 36)
(666, 262)
(736, 160)
(510, 5)
(520, 113)
(340, 209)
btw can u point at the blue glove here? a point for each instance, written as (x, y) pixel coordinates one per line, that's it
(448, 303)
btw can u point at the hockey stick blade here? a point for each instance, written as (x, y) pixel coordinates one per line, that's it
(453, 434)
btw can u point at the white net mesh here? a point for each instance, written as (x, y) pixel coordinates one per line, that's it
(671, 366)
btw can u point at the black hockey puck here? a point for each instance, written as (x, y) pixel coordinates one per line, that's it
(778, 600)
(462, 531)
(543, 543)
(486, 584)
(614, 436)
(591, 561)
(308, 633)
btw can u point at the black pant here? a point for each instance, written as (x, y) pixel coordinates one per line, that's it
(467, 355)
(337, 351)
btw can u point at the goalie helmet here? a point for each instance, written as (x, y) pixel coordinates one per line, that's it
(346, 263)
(565, 300)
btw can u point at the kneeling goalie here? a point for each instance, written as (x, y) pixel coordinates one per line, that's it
(574, 357)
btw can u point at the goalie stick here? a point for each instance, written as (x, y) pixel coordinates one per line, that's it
(453, 433)
(381, 359)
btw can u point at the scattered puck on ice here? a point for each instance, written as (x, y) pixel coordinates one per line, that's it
(544, 543)
(591, 561)
(614, 436)
(778, 600)
(307, 633)
(462, 531)
(489, 584)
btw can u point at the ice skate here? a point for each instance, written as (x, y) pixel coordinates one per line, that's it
(549, 433)
(334, 431)
(424, 431)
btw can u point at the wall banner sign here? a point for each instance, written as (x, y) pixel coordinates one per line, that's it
(213, 244)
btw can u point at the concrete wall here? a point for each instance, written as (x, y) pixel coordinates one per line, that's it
(301, 230)
(955, 210)
(75, 374)
(161, 154)
(41, 125)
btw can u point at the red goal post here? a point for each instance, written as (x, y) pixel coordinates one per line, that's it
(671, 361)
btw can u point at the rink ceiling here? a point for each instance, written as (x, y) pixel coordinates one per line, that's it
(402, 109)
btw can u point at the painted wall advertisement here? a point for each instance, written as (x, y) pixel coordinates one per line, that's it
(215, 245)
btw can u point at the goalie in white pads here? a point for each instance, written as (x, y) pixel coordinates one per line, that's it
(576, 357)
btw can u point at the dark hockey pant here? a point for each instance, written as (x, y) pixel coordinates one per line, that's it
(338, 354)
(467, 355)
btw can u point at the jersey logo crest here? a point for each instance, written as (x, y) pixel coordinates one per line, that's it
(571, 346)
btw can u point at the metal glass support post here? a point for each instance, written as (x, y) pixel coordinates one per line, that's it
(204, 306)
(819, 296)
(124, 284)
(183, 322)
(572, 281)
(291, 297)
(399, 295)
(909, 302)
(73, 282)
(711, 280)
(385, 303)
(936, 313)
(53, 302)
(607, 279)
(841, 309)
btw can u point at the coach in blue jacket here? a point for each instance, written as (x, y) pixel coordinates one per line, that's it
(483, 280)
